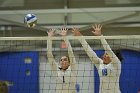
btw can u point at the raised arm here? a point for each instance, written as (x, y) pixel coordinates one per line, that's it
(92, 55)
(49, 52)
(108, 50)
(70, 51)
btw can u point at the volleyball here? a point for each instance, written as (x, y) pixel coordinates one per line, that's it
(30, 20)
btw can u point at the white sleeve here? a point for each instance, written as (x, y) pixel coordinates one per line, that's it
(109, 51)
(92, 55)
(51, 57)
(71, 56)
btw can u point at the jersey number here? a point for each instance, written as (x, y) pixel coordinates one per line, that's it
(104, 72)
(63, 79)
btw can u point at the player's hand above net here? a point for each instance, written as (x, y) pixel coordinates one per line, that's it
(51, 32)
(76, 31)
(63, 31)
(97, 29)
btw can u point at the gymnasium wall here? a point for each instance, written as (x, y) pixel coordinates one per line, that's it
(21, 70)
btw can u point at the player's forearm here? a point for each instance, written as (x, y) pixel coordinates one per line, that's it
(71, 55)
(92, 55)
(106, 47)
(109, 50)
(50, 55)
(49, 50)
(70, 51)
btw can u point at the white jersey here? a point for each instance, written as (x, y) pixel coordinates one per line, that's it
(65, 82)
(108, 74)
(109, 77)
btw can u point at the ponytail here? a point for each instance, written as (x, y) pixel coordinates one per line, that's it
(118, 54)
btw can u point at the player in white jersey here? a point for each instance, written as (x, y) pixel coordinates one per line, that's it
(65, 73)
(109, 67)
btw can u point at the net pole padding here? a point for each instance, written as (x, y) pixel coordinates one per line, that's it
(72, 37)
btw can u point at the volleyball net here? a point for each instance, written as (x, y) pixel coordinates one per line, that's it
(24, 62)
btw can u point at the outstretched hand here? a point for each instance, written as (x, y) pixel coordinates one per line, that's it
(51, 32)
(76, 32)
(97, 30)
(63, 31)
